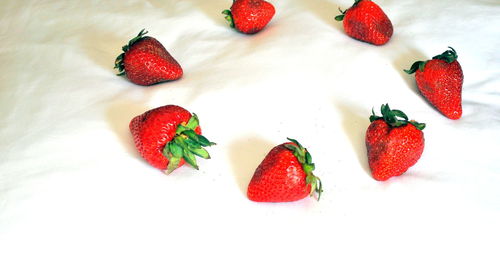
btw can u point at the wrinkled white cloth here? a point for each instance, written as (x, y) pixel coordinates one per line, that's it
(72, 183)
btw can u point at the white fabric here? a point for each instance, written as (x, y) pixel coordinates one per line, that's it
(72, 183)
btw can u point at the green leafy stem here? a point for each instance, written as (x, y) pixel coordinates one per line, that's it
(186, 144)
(341, 16)
(229, 17)
(391, 117)
(448, 56)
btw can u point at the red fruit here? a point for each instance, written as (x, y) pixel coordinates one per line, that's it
(284, 175)
(393, 145)
(440, 81)
(367, 22)
(249, 16)
(146, 62)
(168, 136)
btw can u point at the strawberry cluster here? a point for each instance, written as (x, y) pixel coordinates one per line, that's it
(169, 136)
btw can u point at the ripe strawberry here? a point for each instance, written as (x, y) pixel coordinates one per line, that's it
(366, 21)
(393, 145)
(284, 175)
(145, 61)
(167, 136)
(440, 82)
(249, 16)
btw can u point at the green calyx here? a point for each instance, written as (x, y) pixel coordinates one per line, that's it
(229, 17)
(418, 65)
(305, 159)
(448, 56)
(119, 60)
(391, 117)
(186, 144)
(341, 16)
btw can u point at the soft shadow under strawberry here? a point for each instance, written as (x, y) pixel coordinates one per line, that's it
(118, 116)
(403, 61)
(354, 123)
(213, 10)
(245, 155)
(324, 10)
(101, 47)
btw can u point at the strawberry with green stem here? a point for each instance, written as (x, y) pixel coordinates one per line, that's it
(168, 136)
(145, 61)
(366, 21)
(393, 143)
(440, 81)
(249, 16)
(285, 175)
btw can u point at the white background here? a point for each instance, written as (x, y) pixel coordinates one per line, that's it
(72, 183)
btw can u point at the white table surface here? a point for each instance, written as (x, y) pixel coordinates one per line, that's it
(72, 183)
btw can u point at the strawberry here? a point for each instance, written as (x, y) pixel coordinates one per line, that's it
(367, 22)
(440, 82)
(249, 16)
(146, 62)
(393, 144)
(169, 136)
(284, 175)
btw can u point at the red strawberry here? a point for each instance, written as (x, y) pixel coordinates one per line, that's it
(145, 61)
(393, 145)
(284, 175)
(167, 136)
(249, 16)
(440, 82)
(367, 22)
